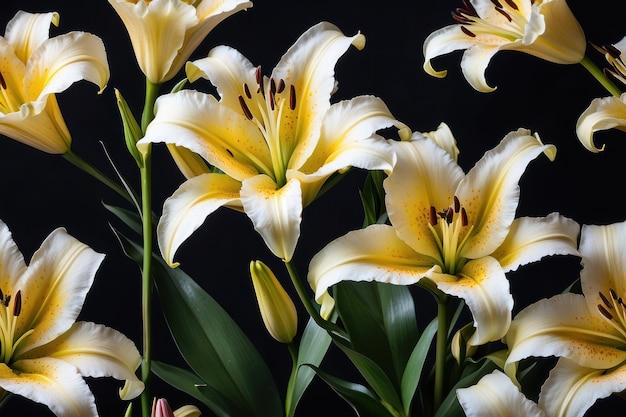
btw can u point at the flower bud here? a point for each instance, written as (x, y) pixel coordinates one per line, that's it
(277, 310)
(161, 408)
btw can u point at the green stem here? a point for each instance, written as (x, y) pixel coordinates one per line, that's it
(86, 167)
(146, 271)
(293, 350)
(441, 349)
(308, 305)
(593, 69)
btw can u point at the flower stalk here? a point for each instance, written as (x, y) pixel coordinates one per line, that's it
(593, 69)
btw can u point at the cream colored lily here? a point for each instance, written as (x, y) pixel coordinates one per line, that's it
(457, 230)
(544, 28)
(44, 351)
(606, 112)
(588, 331)
(34, 68)
(276, 139)
(164, 33)
(496, 395)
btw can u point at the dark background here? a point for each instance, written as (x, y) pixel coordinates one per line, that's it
(41, 192)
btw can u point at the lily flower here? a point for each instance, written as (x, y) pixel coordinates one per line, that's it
(457, 230)
(34, 68)
(496, 395)
(587, 331)
(544, 28)
(44, 351)
(275, 139)
(606, 112)
(164, 33)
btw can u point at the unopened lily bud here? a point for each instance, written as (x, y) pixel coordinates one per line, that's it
(277, 310)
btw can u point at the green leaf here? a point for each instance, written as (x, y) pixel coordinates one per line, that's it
(362, 400)
(313, 347)
(415, 365)
(212, 344)
(128, 217)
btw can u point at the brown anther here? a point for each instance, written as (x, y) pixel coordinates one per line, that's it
(449, 215)
(1, 295)
(613, 293)
(457, 204)
(6, 300)
(244, 107)
(272, 100)
(3, 83)
(468, 32)
(292, 97)
(258, 75)
(505, 14)
(613, 51)
(497, 4)
(17, 303)
(605, 300)
(464, 221)
(281, 86)
(512, 4)
(469, 9)
(273, 86)
(458, 17)
(229, 152)
(433, 216)
(247, 90)
(605, 312)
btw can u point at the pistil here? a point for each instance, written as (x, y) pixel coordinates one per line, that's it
(447, 234)
(9, 338)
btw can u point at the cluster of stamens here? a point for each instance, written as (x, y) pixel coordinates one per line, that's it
(614, 57)
(448, 232)
(467, 15)
(614, 309)
(274, 89)
(8, 321)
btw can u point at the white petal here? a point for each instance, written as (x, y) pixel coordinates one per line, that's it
(441, 42)
(445, 139)
(571, 389)
(96, 351)
(63, 60)
(485, 289)
(12, 264)
(52, 382)
(490, 191)
(188, 207)
(54, 288)
(530, 239)
(309, 66)
(495, 395)
(26, 31)
(562, 326)
(474, 63)
(276, 213)
(371, 254)
(602, 114)
(425, 176)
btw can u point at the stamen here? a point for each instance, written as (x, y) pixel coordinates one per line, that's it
(258, 75)
(468, 32)
(497, 4)
(281, 86)
(273, 86)
(469, 8)
(457, 204)
(605, 300)
(6, 301)
(458, 16)
(605, 312)
(244, 107)
(229, 152)
(464, 221)
(1, 295)
(512, 4)
(3, 83)
(433, 216)
(292, 97)
(247, 91)
(272, 98)
(613, 51)
(613, 293)
(505, 14)
(17, 303)
(449, 215)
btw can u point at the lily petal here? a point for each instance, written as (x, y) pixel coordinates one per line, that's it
(52, 382)
(309, 65)
(54, 288)
(275, 213)
(371, 254)
(425, 176)
(189, 163)
(562, 326)
(496, 395)
(188, 207)
(96, 351)
(443, 137)
(571, 389)
(602, 114)
(474, 63)
(485, 289)
(441, 42)
(530, 239)
(493, 190)
(198, 122)
(26, 31)
(12, 264)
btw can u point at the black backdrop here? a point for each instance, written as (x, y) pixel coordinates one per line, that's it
(41, 192)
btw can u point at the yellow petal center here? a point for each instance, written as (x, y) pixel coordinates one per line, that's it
(10, 309)
(506, 21)
(449, 227)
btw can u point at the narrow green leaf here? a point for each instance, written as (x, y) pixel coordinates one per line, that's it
(415, 365)
(314, 344)
(128, 217)
(360, 398)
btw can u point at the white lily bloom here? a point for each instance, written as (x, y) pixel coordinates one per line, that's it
(276, 139)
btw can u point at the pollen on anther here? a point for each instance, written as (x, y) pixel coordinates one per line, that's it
(244, 107)
(247, 90)
(605, 312)
(17, 303)
(292, 97)
(449, 215)
(258, 75)
(433, 216)
(3, 83)
(605, 300)
(281, 86)
(457, 204)
(464, 221)
(468, 32)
